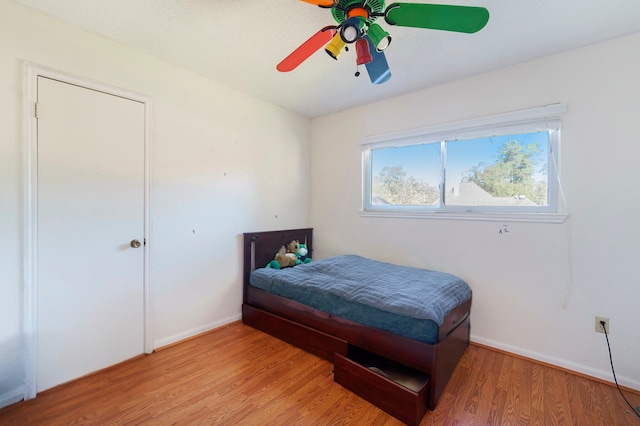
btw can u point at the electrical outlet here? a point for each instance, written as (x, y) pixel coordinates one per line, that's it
(599, 326)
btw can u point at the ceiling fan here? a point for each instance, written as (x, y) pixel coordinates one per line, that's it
(356, 24)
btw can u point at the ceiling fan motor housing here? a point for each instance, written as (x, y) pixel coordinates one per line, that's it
(372, 7)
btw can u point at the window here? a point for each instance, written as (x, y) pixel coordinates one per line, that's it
(498, 167)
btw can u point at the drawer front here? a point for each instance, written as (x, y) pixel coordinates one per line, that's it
(316, 342)
(403, 403)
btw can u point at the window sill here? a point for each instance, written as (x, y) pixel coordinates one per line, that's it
(554, 218)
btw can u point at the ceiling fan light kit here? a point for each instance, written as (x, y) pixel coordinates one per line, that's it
(356, 24)
(363, 53)
(350, 30)
(380, 38)
(334, 48)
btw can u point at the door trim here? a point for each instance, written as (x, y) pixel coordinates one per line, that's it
(31, 73)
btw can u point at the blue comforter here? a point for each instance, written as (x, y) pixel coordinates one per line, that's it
(408, 301)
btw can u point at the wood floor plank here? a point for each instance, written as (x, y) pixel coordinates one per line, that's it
(555, 402)
(515, 410)
(238, 375)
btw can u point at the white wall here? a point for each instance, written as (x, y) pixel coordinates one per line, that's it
(538, 288)
(217, 164)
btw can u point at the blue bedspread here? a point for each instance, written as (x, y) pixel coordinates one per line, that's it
(408, 301)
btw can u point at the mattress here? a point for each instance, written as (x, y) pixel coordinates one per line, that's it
(411, 302)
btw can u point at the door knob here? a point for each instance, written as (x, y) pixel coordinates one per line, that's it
(135, 243)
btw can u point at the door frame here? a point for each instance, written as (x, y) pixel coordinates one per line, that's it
(31, 73)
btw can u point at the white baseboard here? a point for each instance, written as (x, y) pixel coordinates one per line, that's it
(12, 396)
(193, 332)
(562, 363)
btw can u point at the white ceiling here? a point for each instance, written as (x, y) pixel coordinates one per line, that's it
(240, 42)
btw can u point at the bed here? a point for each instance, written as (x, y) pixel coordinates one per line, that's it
(400, 366)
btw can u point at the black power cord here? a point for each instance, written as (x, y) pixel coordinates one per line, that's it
(606, 335)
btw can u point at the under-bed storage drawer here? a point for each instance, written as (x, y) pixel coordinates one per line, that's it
(309, 339)
(396, 389)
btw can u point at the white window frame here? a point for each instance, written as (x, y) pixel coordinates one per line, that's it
(545, 118)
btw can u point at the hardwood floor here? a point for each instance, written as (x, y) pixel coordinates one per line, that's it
(236, 375)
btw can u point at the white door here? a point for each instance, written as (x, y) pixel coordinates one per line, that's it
(90, 206)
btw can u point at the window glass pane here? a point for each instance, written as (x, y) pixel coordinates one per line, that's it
(406, 176)
(503, 171)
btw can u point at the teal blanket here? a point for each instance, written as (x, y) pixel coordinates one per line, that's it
(411, 302)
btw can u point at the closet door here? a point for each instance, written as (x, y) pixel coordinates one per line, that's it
(90, 219)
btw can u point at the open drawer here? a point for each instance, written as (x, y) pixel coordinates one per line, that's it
(396, 389)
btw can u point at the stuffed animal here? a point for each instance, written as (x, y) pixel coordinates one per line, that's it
(286, 256)
(303, 254)
(293, 246)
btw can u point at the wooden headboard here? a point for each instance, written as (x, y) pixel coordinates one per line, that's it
(259, 248)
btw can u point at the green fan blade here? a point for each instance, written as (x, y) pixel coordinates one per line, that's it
(462, 19)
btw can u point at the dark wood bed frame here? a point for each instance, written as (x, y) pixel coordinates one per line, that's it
(330, 337)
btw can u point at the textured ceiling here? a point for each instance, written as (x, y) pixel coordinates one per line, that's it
(240, 42)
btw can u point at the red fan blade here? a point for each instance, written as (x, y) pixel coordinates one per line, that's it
(307, 49)
(322, 3)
